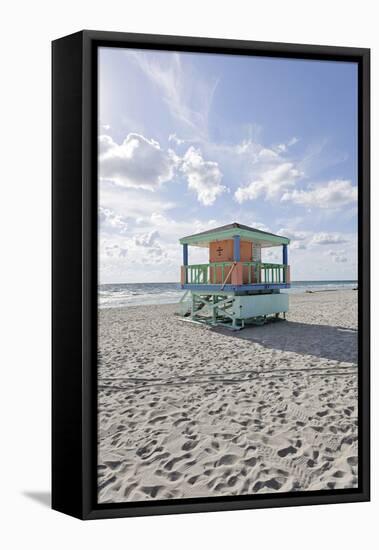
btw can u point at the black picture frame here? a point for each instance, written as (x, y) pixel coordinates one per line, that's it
(74, 272)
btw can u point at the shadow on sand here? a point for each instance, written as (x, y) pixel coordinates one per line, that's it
(327, 342)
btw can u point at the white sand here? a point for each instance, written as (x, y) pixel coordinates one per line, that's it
(187, 411)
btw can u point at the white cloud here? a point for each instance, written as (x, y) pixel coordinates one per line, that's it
(109, 221)
(203, 176)
(337, 257)
(105, 144)
(283, 147)
(130, 203)
(171, 230)
(328, 238)
(153, 248)
(147, 239)
(335, 194)
(113, 250)
(260, 226)
(174, 139)
(140, 248)
(138, 162)
(270, 173)
(293, 234)
(298, 245)
(292, 141)
(266, 154)
(187, 94)
(299, 239)
(141, 163)
(253, 153)
(273, 255)
(271, 183)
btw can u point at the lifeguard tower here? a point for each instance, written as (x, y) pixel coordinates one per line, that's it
(235, 287)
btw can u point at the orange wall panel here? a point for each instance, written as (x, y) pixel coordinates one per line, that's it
(221, 251)
(246, 251)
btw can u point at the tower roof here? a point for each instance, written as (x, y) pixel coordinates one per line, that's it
(263, 238)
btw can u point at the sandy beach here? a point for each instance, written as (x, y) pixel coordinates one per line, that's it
(187, 411)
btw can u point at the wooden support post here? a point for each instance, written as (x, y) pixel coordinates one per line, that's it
(285, 262)
(285, 254)
(185, 254)
(185, 262)
(236, 248)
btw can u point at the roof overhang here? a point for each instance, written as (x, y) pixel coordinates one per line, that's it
(261, 238)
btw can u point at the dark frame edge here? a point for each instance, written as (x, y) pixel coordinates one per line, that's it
(197, 43)
(228, 506)
(67, 315)
(364, 275)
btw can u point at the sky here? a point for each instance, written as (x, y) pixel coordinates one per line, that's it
(192, 141)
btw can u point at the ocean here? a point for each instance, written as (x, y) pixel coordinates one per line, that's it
(135, 294)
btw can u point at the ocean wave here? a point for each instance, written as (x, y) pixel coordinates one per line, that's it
(134, 294)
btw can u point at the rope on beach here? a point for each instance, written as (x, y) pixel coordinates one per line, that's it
(217, 379)
(229, 373)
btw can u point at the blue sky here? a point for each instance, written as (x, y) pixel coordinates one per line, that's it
(188, 142)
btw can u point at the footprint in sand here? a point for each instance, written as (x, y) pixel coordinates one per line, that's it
(151, 491)
(171, 463)
(273, 484)
(287, 451)
(189, 445)
(113, 464)
(174, 476)
(339, 474)
(227, 460)
(251, 461)
(192, 480)
(352, 460)
(157, 419)
(232, 481)
(107, 482)
(129, 489)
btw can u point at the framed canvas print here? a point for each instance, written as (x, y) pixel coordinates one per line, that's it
(210, 274)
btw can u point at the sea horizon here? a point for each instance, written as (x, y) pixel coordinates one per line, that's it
(113, 295)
